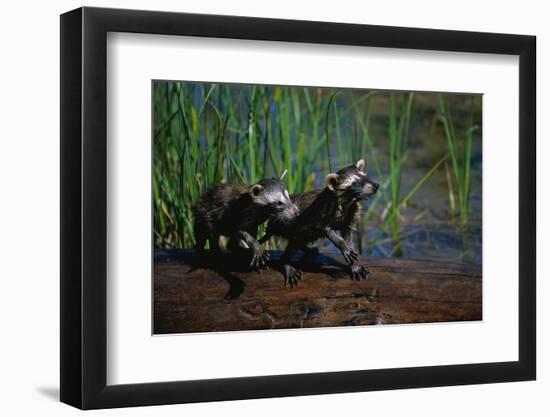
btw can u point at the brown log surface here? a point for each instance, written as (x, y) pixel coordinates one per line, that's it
(224, 295)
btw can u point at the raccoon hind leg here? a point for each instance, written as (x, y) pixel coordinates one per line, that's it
(201, 236)
(214, 241)
(310, 252)
(234, 245)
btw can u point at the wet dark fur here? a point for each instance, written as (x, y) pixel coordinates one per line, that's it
(315, 215)
(311, 224)
(349, 206)
(279, 224)
(321, 213)
(230, 210)
(222, 210)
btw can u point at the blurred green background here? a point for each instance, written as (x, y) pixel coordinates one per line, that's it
(423, 148)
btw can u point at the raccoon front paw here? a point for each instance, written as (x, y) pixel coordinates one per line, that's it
(259, 259)
(292, 276)
(350, 256)
(359, 272)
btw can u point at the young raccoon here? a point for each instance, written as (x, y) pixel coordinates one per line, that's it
(322, 212)
(236, 211)
(357, 188)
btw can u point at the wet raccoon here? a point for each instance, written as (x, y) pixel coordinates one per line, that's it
(356, 188)
(236, 211)
(335, 208)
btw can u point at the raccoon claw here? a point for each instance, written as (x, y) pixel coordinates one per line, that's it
(292, 276)
(359, 272)
(350, 256)
(259, 260)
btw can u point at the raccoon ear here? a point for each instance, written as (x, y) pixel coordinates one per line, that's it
(256, 190)
(332, 181)
(283, 174)
(360, 165)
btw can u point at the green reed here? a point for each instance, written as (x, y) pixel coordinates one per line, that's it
(398, 131)
(398, 126)
(461, 157)
(209, 133)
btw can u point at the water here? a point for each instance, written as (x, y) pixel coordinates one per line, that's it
(428, 230)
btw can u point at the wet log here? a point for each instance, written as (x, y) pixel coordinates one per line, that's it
(192, 295)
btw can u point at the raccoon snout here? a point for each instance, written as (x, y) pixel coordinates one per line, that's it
(371, 188)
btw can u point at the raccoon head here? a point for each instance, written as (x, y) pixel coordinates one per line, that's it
(352, 181)
(272, 194)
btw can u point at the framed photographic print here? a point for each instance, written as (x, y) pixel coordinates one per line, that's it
(256, 208)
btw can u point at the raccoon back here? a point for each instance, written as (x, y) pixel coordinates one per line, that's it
(224, 208)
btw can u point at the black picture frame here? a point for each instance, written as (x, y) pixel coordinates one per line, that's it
(84, 207)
